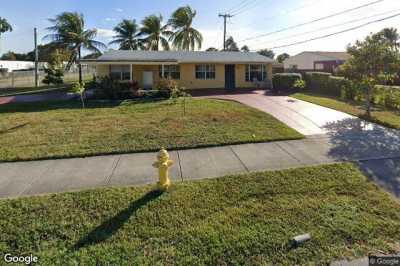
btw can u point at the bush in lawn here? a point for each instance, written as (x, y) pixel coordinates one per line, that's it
(285, 81)
(135, 88)
(299, 84)
(168, 88)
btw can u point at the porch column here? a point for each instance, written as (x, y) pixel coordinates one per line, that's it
(131, 71)
(262, 72)
(162, 70)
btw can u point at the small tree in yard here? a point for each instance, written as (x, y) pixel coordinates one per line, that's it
(54, 71)
(79, 88)
(372, 61)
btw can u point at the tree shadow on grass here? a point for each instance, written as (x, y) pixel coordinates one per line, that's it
(13, 128)
(377, 147)
(109, 227)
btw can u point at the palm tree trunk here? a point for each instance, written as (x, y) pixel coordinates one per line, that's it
(80, 65)
(368, 107)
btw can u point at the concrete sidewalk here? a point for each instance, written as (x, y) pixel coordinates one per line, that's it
(38, 177)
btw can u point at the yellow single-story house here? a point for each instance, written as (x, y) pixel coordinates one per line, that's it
(191, 69)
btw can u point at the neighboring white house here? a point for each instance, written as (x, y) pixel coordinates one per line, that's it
(9, 66)
(315, 61)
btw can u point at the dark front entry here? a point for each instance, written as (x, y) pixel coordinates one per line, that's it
(229, 77)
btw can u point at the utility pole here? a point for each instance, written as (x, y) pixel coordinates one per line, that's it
(36, 59)
(225, 16)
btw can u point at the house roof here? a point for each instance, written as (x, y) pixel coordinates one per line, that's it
(181, 57)
(333, 55)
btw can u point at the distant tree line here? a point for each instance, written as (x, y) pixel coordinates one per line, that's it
(231, 46)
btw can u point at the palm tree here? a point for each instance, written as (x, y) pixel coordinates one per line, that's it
(69, 33)
(4, 26)
(155, 34)
(185, 37)
(231, 45)
(245, 49)
(126, 37)
(391, 36)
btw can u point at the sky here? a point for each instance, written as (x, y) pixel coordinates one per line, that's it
(276, 21)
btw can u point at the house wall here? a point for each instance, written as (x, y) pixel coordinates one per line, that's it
(188, 75)
(304, 61)
(102, 70)
(328, 66)
(189, 81)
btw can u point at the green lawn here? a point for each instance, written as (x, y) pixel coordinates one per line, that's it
(63, 129)
(384, 117)
(233, 220)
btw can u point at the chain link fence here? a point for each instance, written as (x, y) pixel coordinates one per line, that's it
(26, 78)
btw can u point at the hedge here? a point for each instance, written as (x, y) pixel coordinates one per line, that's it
(324, 83)
(285, 81)
(388, 96)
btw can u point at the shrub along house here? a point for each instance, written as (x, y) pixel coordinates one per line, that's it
(192, 70)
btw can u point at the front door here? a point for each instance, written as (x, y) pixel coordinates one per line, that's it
(229, 77)
(147, 79)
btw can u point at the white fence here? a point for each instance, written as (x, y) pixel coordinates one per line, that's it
(26, 78)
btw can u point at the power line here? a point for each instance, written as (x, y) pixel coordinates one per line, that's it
(336, 33)
(312, 21)
(225, 16)
(214, 43)
(336, 25)
(238, 6)
(247, 7)
(285, 12)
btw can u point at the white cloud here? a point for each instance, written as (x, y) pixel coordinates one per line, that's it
(110, 19)
(120, 10)
(105, 33)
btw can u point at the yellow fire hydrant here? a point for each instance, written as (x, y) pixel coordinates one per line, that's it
(163, 164)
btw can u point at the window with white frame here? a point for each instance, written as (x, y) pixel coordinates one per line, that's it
(256, 73)
(170, 72)
(205, 71)
(120, 72)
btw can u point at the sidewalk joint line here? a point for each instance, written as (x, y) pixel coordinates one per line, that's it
(288, 153)
(240, 160)
(108, 180)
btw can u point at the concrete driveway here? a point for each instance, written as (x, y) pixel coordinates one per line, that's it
(306, 118)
